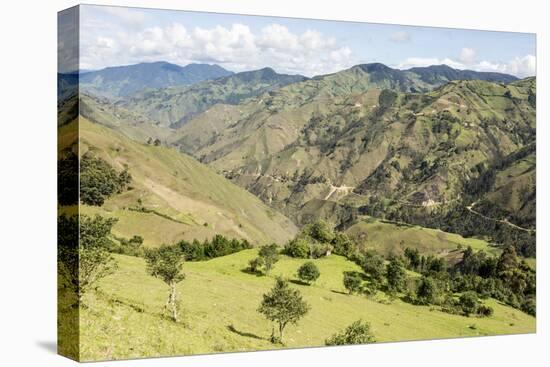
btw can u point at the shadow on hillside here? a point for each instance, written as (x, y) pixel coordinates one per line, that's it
(252, 272)
(339, 292)
(298, 282)
(242, 333)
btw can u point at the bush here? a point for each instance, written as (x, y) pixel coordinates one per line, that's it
(298, 247)
(485, 311)
(356, 333)
(255, 265)
(318, 250)
(427, 291)
(352, 281)
(343, 245)
(468, 303)
(373, 265)
(308, 272)
(319, 231)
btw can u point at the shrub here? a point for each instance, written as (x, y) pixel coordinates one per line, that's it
(319, 231)
(352, 281)
(468, 303)
(357, 333)
(269, 255)
(373, 265)
(308, 272)
(426, 291)
(343, 245)
(485, 311)
(255, 265)
(298, 247)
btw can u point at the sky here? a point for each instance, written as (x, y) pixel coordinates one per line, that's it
(112, 36)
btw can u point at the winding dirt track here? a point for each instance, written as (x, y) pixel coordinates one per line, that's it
(504, 221)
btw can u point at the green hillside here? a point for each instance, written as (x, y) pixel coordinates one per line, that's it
(219, 304)
(175, 106)
(174, 197)
(393, 238)
(383, 153)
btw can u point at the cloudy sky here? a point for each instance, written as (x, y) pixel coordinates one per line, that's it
(113, 36)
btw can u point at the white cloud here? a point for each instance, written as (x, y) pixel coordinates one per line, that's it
(519, 66)
(428, 61)
(467, 56)
(236, 48)
(400, 37)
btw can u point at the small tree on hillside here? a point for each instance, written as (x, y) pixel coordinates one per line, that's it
(308, 272)
(507, 263)
(283, 305)
(396, 275)
(373, 264)
(255, 264)
(427, 291)
(357, 333)
(270, 255)
(166, 263)
(352, 281)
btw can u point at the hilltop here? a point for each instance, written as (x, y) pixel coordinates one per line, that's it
(120, 81)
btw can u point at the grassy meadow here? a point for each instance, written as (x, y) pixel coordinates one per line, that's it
(124, 318)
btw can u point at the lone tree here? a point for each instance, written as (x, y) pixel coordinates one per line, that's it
(270, 255)
(352, 281)
(83, 255)
(357, 333)
(255, 264)
(308, 272)
(395, 274)
(283, 305)
(166, 263)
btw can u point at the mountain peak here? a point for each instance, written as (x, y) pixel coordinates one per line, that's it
(374, 67)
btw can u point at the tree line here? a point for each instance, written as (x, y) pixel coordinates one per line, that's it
(85, 246)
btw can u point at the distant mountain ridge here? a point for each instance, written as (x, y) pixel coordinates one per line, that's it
(444, 73)
(120, 81)
(176, 105)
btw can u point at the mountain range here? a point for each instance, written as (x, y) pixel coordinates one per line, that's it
(122, 81)
(404, 145)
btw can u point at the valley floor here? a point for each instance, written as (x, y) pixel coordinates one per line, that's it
(124, 318)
